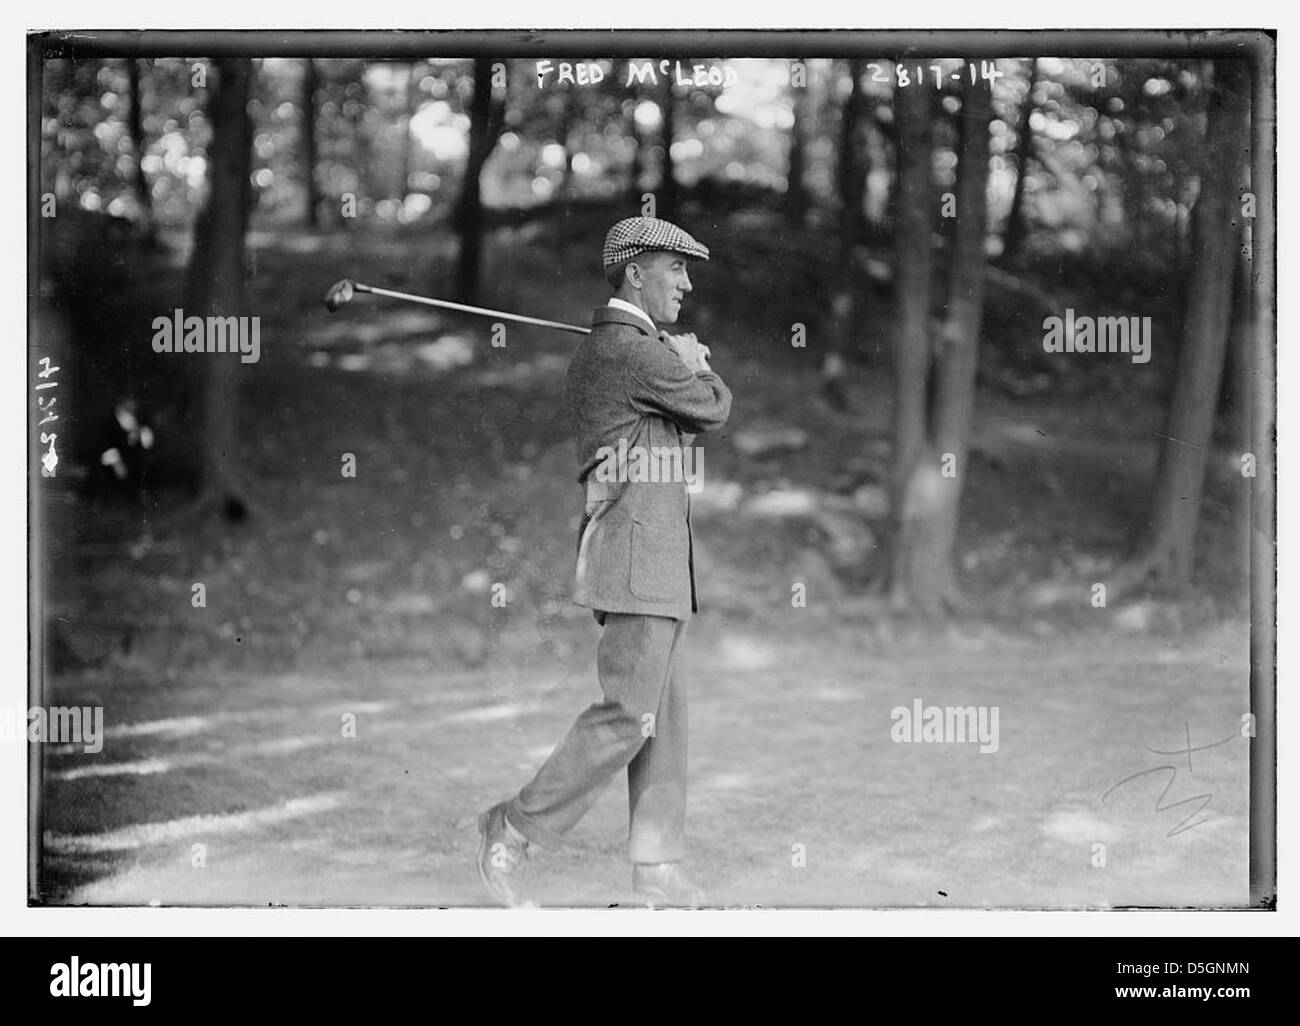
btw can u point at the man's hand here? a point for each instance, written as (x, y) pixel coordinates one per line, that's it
(693, 354)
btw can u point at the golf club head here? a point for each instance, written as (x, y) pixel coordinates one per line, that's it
(339, 294)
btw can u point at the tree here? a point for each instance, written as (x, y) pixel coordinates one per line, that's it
(485, 127)
(912, 284)
(957, 353)
(667, 197)
(354, 85)
(570, 114)
(412, 99)
(135, 128)
(851, 169)
(1166, 554)
(796, 198)
(309, 143)
(631, 130)
(1239, 369)
(1024, 148)
(215, 281)
(935, 389)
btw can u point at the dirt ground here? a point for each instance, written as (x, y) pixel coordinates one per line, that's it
(791, 746)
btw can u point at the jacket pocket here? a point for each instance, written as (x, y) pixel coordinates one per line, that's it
(653, 561)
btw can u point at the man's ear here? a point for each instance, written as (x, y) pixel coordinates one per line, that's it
(633, 275)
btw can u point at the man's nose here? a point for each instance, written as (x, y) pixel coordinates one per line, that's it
(686, 282)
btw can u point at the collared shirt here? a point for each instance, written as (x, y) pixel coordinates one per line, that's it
(623, 304)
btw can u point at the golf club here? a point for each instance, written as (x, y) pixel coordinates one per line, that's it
(341, 293)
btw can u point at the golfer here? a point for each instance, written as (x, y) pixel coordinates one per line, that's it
(633, 384)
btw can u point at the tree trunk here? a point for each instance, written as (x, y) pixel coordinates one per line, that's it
(135, 128)
(886, 132)
(933, 438)
(667, 198)
(362, 148)
(567, 117)
(796, 199)
(1024, 147)
(1239, 413)
(411, 99)
(468, 217)
(308, 103)
(1169, 548)
(913, 261)
(957, 352)
(633, 133)
(851, 170)
(569, 114)
(216, 274)
(850, 178)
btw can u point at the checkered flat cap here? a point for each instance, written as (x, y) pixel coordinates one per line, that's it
(635, 235)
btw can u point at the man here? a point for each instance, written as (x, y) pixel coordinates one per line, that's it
(631, 389)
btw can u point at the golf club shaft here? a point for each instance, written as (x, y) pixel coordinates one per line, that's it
(483, 311)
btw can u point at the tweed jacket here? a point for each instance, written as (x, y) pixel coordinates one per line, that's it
(632, 400)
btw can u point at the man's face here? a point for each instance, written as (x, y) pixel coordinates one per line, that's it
(664, 283)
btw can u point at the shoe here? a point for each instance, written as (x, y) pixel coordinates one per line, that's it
(666, 884)
(501, 856)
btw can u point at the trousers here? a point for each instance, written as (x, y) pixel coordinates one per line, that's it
(640, 725)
